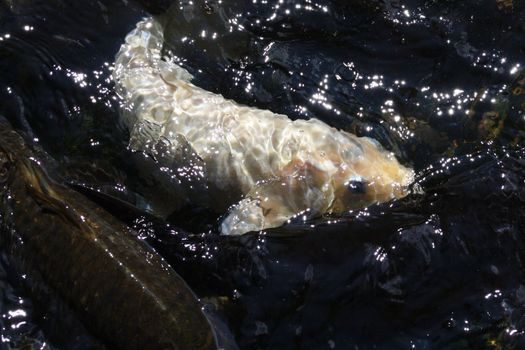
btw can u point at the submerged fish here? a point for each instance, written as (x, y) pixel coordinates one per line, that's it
(274, 167)
(121, 289)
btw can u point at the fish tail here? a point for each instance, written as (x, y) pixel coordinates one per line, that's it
(145, 80)
(142, 49)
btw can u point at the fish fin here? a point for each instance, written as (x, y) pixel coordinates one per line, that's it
(178, 159)
(243, 217)
(268, 205)
(169, 153)
(175, 171)
(269, 211)
(122, 209)
(301, 191)
(176, 151)
(144, 135)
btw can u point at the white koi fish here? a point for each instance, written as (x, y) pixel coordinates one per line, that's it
(265, 167)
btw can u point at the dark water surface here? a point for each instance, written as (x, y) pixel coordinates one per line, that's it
(440, 83)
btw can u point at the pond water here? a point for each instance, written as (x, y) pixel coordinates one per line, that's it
(440, 83)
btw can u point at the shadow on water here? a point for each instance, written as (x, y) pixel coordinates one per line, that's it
(440, 83)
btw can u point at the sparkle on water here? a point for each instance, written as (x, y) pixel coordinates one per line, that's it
(440, 85)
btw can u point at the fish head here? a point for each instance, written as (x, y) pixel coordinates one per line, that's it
(367, 174)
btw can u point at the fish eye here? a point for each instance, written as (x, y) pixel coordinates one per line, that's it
(356, 185)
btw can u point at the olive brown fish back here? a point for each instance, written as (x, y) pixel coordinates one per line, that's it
(122, 290)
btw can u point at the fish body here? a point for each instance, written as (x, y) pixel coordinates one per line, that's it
(271, 166)
(121, 289)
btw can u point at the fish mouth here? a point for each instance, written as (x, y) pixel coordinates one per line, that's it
(408, 179)
(404, 186)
